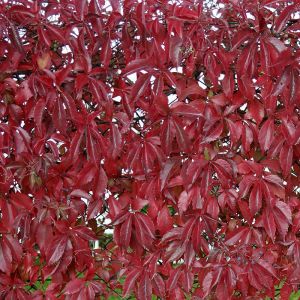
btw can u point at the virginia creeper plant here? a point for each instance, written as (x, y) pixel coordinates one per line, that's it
(149, 149)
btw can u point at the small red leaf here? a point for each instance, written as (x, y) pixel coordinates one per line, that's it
(286, 159)
(85, 233)
(164, 220)
(140, 87)
(74, 286)
(116, 140)
(5, 258)
(145, 288)
(137, 65)
(105, 54)
(236, 235)
(266, 135)
(130, 281)
(255, 199)
(159, 285)
(269, 223)
(57, 249)
(183, 202)
(281, 21)
(125, 232)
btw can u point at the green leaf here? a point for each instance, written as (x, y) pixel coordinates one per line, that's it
(295, 296)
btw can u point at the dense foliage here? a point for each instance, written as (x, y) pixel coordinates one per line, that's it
(174, 125)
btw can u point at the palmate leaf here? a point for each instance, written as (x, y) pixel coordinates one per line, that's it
(149, 149)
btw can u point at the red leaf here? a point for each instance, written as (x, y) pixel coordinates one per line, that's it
(116, 140)
(192, 89)
(255, 111)
(236, 235)
(14, 245)
(98, 90)
(240, 37)
(137, 65)
(100, 183)
(186, 110)
(56, 33)
(266, 135)
(246, 86)
(247, 137)
(164, 220)
(281, 21)
(245, 210)
(177, 252)
(5, 258)
(57, 249)
(188, 229)
(38, 115)
(189, 257)
(161, 104)
(125, 232)
(167, 136)
(207, 283)
(285, 292)
(120, 218)
(105, 54)
(281, 83)
(80, 193)
(286, 159)
(214, 134)
(61, 75)
(164, 173)
(75, 144)
(228, 85)
(255, 199)
(159, 285)
(235, 129)
(275, 184)
(74, 286)
(146, 224)
(130, 281)
(174, 50)
(94, 208)
(87, 174)
(183, 202)
(285, 210)
(21, 201)
(173, 279)
(85, 233)
(267, 267)
(145, 288)
(140, 87)
(269, 223)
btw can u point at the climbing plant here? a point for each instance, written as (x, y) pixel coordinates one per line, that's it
(149, 149)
